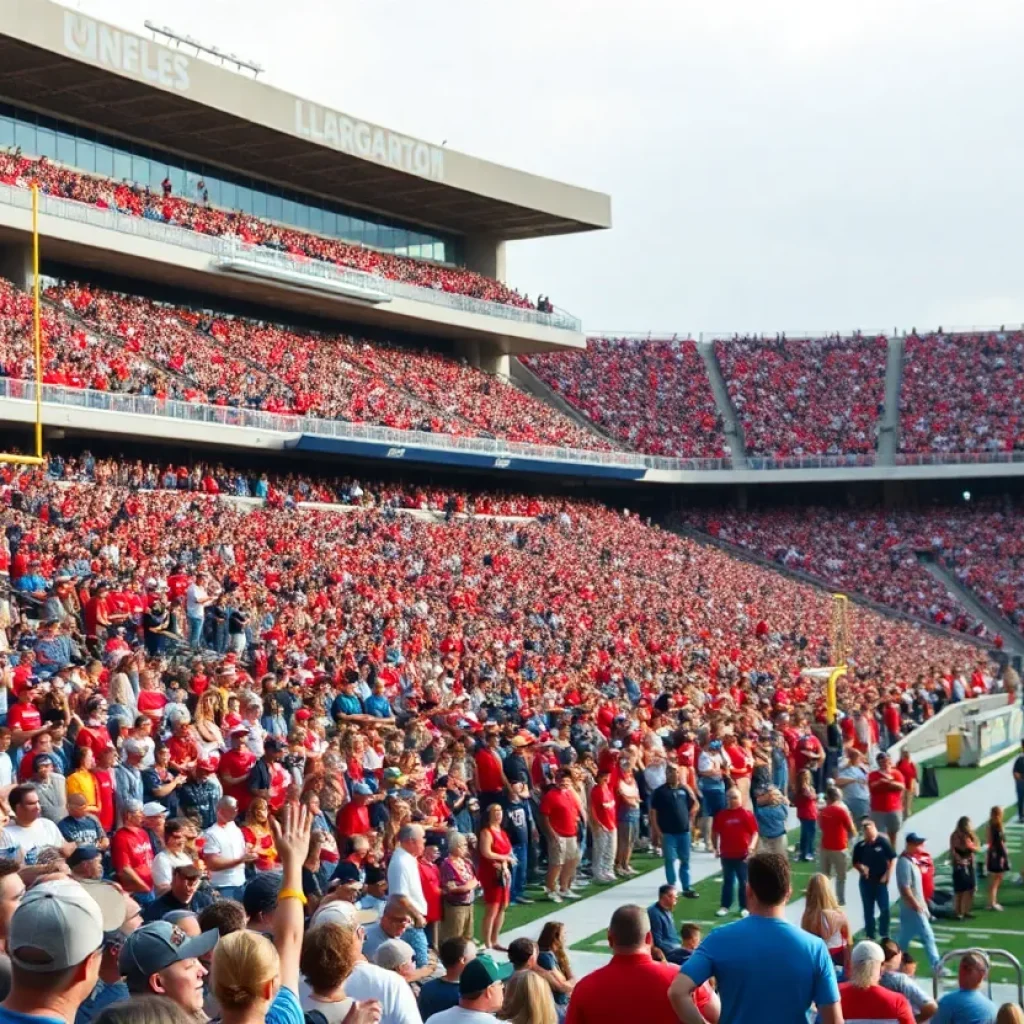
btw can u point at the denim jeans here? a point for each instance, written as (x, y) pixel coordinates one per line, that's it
(808, 829)
(195, 633)
(734, 871)
(676, 847)
(417, 938)
(872, 893)
(712, 801)
(914, 925)
(230, 892)
(521, 854)
(1020, 801)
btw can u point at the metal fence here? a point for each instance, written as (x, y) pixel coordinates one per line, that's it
(159, 231)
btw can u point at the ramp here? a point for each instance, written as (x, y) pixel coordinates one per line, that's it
(889, 427)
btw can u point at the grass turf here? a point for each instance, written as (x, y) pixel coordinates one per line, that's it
(950, 779)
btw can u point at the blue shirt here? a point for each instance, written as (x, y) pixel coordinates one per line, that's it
(762, 956)
(663, 929)
(771, 820)
(378, 706)
(284, 1009)
(101, 997)
(965, 1007)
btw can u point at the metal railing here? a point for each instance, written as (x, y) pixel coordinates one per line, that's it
(958, 458)
(158, 231)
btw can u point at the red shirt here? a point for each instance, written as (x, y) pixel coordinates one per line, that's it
(353, 820)
(884, 799)
(541, 760)
(631, 987)
(24, 717)
(602, 803)
(430, 879)
(280, 780)
(105, 788)
(94, 737)
(808, 748)
(736, 828)
(807, 806)
(908, 771)
(875, 1003)
(741, 762)
(562, 810)
(152, 703)
(131, 848)
(837, 827)
(184, 750)
(489, 776)
(236, 763)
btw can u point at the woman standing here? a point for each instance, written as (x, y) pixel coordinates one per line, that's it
(458, 888)
(495, 875)
(173, 855)
(258, 835)
(997, 863)
(825, 918)
(963, 845)
(627, 799)
(209, 738)
(554, 961)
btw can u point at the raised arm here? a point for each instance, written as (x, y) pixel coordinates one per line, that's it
(292, 842)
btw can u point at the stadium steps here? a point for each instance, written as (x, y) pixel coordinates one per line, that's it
(889, 427)
(1013, 640)
(730, 421)
(526, 380)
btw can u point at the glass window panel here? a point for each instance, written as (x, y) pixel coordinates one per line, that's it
(215, 187)
(85, 155)
(343, 228)
(25, 137)
(370, 233)
(178, 180)
(6, 132)
(259, 203)
(330, 223)
(356, 229)
(302, 215)
(244, 198)
(158, 171)
(105, 161)
(140, 170)
(229, 195)
(122, 165)
(288, 211)
(316, 219)
(46, 143)
(274, 207)
(65, 148)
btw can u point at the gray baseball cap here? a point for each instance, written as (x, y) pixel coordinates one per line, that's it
(59, 924)
(157, 945)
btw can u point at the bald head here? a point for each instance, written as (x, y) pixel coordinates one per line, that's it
(629, 929)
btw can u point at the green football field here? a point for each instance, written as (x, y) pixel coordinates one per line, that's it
(989, 929)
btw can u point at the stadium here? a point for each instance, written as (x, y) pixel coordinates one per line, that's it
(305, 504)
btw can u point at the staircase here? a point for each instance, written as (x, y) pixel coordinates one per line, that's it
(889, 427)
(1013, 640)
(730, 422)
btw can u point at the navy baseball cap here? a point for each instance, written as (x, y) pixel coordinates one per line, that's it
(157, 945)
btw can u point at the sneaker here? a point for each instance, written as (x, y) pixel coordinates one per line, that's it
(744, 913)
(692, 894)
(996, 906)
(722, 912)
(554, 897)
(632, 871)
(580, 883)
(568, 894)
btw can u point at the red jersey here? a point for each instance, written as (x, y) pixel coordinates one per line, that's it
(24, 717)
(152, 703)
(353, 820)
(430, 879)
(883, 798)
(95, 737)
(489, 776)
(837, 827)
(908, 771)
(236, 764)
(131, 848)
(602, 804)
(735, 828)
(808, 749)
(874, 1004)
(562, 810)
(105, 788)
(741, 762)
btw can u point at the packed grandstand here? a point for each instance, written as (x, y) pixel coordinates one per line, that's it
(399, 714)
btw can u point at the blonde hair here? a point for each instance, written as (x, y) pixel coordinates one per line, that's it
(820, 899)
(1010, 1013)
(243, 963)
(865, 974)
(528, 1000)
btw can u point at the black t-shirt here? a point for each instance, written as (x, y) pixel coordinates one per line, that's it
(516, 822)
(875, 856)
(516, 769)
(1018, 766)
(673, 807)
(438, 995)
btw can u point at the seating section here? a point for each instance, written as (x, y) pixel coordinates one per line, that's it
(873, 552)
(136, 201)
(135, 345)
(962, 393)
(653, 396)
(663, 606)
(803, 397)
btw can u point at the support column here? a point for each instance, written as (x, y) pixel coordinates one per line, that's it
(495, 362)
(16, 264)
(486, 255)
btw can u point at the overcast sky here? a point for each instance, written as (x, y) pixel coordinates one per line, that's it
(772, 165)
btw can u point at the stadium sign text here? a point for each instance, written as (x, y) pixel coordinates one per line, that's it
(121, 51)
(357, 138)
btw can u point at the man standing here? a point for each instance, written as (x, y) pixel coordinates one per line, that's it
(837, 829)
(559, 815)
(664, 936)
(1018, 779)
(603, 827)
(196, 600)
(886, 788)
(131, 854)
(915, 922)
(852, 781)
(734, 834)
(873, 860)
(128, 777)
(404, 880)
(967, 1005)
(767, 969)
(673, 813)
(225, 851)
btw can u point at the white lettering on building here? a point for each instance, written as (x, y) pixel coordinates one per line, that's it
(121, 51)
(360, 139)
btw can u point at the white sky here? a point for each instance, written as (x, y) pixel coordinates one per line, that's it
(773, 164)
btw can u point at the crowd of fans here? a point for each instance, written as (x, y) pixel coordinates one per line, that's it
(798, 397)
(109, 341)
(136, 200)
(962, 392)
(344, 727)
(653, 396)
(874, 552)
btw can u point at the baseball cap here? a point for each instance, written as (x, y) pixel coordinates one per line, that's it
(361, 789)
(153, 809)
(480, 973)
(346, 872)
(206, 764)
(913, 837)
(239, 730)
(867, 951)
(393, 953)
(157, 945)
(260, 894)
(57, 925)
(81, 854)
(348, 915)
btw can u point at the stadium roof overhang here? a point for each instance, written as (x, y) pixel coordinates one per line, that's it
(53, 60)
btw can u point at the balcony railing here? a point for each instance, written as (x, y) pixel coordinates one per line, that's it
(222, 247)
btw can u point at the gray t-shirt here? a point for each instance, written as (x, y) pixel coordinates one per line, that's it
(857, 790)
(896, 981)
(908, 876)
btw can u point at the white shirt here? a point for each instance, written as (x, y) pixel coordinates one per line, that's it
(42, 832)
(164, 864)
(404, 879)
(225, 841)
(368, 981)
(194, 596)
(6, 768)
(460, 1015)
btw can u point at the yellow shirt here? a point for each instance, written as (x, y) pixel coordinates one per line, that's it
(84, 783)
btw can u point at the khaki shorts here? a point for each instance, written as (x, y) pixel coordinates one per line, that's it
(562, 850)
